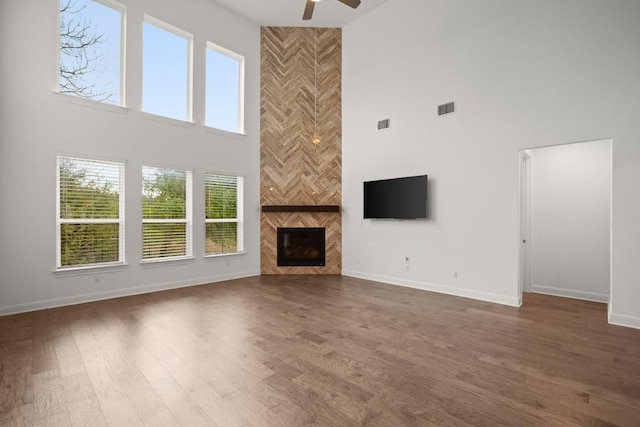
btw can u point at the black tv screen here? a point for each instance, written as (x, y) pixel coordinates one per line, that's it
(398, 198)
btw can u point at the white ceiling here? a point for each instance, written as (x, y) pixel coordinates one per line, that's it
(288, 13)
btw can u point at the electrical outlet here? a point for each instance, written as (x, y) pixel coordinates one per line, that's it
(358, 261)
(96, 279)
(407, 260)
(228, 263)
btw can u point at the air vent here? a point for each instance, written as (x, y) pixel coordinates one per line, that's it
(384, 124)
(448, 108)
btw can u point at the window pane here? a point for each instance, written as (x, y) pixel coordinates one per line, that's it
(82, 244)
(90, 50)
(163, 193)
(221, 197)
(166, 212)
(223, 210)
(223, 91)
(221, 238)
(163, 240)
(90, 207)
(89, 189)
(165, 73)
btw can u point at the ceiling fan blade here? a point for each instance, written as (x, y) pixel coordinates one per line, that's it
(308, 10)
(353, 3)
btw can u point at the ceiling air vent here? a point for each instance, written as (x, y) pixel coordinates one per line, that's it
(448, 108)
(384, 124)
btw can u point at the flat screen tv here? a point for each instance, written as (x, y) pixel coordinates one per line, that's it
(398, 198)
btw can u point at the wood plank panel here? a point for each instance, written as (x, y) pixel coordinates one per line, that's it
(301, 74)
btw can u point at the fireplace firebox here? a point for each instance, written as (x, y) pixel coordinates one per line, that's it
(301, 247)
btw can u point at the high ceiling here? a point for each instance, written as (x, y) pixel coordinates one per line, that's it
(288, 13)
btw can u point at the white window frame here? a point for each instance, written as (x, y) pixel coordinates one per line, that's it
(123, 45)
(188, 220)
(241, 75)
(239, 214)
(120, 220)
(148, 19)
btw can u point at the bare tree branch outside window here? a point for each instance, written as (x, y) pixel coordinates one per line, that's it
(81, 57)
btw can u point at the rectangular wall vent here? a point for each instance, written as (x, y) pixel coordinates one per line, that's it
(448, 108)
(384, 124)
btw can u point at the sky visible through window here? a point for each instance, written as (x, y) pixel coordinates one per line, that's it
(222, 96)
(165, 69)
(103, 66)
(165, 73)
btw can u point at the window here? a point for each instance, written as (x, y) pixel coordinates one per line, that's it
(224, 196)
(90, 212)
(166, 213)
(91, 41)
(225, 89)
(166, 78)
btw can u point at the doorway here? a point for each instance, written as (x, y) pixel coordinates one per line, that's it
(565, 220)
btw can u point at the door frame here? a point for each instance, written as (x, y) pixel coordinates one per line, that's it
(525, 225)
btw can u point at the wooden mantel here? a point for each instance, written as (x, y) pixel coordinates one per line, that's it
(300, 208)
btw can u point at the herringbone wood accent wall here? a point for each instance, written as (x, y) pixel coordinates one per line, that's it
(301, 92)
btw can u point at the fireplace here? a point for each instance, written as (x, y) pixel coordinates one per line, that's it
(301, 247)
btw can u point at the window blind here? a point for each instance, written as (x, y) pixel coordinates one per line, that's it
(166, 213)
(224, 196)
(89, 212)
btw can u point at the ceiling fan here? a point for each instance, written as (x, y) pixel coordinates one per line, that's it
(308, 9)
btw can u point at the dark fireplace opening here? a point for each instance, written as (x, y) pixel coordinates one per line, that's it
(301, 247)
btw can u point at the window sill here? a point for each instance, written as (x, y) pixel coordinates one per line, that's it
(220, 257)
(159, 262)
(167, 120)
(89, 269)
(90, 103)
(217, 131)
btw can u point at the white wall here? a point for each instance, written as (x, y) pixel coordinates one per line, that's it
(35, 126)
(524, 74)
(570, 214)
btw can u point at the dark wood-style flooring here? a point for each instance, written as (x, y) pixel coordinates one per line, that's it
(318, 350)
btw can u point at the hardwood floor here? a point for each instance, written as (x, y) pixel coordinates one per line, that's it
(317, 350)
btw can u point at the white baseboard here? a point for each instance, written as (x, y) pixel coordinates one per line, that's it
(117, 293)
(459, 292)
(623, 320)
(568, 293)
